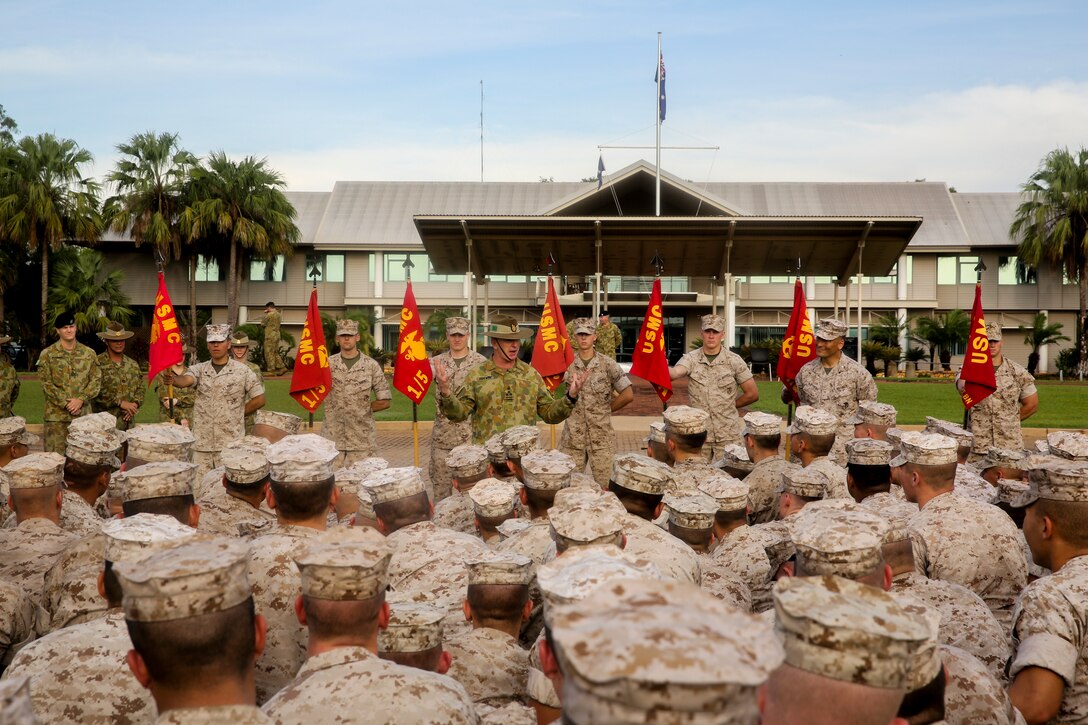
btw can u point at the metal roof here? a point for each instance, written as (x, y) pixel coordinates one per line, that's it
(987, 217)
(689, 246)
(310, 210)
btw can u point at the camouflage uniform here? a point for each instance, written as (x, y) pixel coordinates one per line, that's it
(428, 566)
(351, 683)
(499, 399)
(120, 382)
(78, 516)
(221, 514)
(835, 474)
(973, 544)
(534, 541)
(28, 550)
(588, 434)
(79, 674)
(837, 391)
(743, 551)
(446, 434)
(214, 715)
(456, 513)
(65, 375)
(491, 666)
(183, 405)
(966, 622)
(608, 340)
(9, 386)
(720, 581)
(349, 421)
(276, 584)
(673, 558)
(972, 694)
(20, 618)
(763, 484)
(218, 414)
(1049, 626)
(995, 420)
(273, 361)
(71, 584)
(714, 386)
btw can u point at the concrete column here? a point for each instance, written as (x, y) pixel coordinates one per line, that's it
(730, 309)
(901, 279)
(901, 313)
(1044, 351)
(379, 313)
(379, 274)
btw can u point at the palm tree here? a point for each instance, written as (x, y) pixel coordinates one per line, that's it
(1040, 333)
(886, 329)
(942, 334)
(240, 206)
(45, 200)
(152, 183)
(81, 286)
(1052, 225)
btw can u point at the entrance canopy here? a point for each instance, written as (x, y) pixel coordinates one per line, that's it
(689, 246)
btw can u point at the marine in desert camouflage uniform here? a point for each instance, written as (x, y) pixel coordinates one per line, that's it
(996, 420)
(359, 390)
(587, 434)
(956, 538)
(488, 661)
(9, 381)
(446, 435)
(70, 380)
(504, 391)
(93, 653)
(226, 390)
(122, 390)
(1049, 666)
(719, 383)
(833, 382)
(302, 487)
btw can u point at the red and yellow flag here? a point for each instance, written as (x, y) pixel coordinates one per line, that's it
(648, 361)
(977, 373)
(552, 354)
(312, 377)
(412, 370)
(799, 345)
(166, 348)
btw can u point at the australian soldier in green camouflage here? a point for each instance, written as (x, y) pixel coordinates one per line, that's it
(70, 381)
(9, 382)
(504, 391)
(122, 391)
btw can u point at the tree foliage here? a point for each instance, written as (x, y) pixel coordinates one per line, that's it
(942, 333)
(1039, 334)
(1051, 224)
(80, 285)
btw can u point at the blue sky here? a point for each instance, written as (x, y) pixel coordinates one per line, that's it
(971, 93)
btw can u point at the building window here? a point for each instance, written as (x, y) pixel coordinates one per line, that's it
(330, 267)
(267, 270)
(422, 271)
(645, 284)
(1011, 271)
(764, 279)
(517, 278)
(957, 270)
(207, 270)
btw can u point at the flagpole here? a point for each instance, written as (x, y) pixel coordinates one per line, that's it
(658, 264)
(657, 115)
(170, 385)
(415, 408)
(979, 268)
(551, 267)
(314, 274)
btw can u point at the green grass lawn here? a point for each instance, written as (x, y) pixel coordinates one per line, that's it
(1061, 405)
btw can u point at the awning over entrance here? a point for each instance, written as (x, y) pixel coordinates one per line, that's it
(689, 246)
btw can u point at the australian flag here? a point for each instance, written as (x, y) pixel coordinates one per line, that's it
(661, 75)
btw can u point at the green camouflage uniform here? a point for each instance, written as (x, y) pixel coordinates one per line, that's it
(120, 382)
(183, 405)
(9, 386)
(273, 362)
(500, 399)
(608, 340)
(64, 375)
